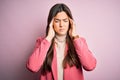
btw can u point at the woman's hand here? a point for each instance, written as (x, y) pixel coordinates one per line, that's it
(72, 31)
(51, 32)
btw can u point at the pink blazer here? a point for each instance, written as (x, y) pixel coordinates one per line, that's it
(86, 58)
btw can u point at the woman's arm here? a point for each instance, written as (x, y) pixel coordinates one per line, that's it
(37, 58)
(87, 60)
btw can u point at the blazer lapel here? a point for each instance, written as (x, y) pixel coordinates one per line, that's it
(54, 65)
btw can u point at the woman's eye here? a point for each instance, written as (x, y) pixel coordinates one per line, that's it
(56, 21)
(65, 20)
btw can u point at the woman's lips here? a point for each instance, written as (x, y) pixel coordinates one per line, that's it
(61, 29)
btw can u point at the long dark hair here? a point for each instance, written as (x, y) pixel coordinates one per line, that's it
(71, 58)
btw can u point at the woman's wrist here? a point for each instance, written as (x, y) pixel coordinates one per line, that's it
(48, 38)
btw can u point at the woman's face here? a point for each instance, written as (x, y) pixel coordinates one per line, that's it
(61, 23)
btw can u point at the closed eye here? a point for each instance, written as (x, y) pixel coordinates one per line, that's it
(65, 20)
(57, 20)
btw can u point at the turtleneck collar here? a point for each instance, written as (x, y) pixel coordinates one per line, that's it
(60, 38)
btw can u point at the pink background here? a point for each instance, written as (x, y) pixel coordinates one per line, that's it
(22, 21)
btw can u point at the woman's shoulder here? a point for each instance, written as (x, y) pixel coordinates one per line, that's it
(81, 38)
(40, 38)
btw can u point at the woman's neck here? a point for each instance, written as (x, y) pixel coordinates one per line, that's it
(60, 38)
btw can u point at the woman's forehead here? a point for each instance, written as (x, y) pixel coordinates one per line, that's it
(61, 15)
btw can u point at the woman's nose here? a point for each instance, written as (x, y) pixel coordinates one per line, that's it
(61, 23)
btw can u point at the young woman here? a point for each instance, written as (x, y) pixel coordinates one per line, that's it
(61, 54)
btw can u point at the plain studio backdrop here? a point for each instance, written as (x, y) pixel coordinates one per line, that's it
(23, 21)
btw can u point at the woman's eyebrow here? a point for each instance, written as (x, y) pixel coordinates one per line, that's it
(65, 19)
(61, 19)
(57, 19)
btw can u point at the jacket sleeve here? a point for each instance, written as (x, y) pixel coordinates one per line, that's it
(37, 58)
(87, 60)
